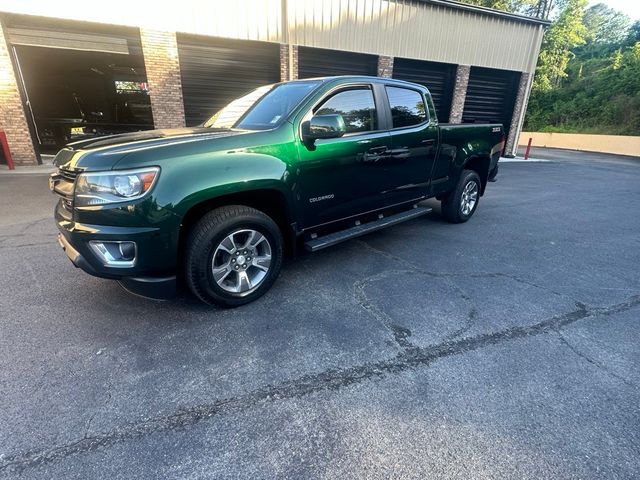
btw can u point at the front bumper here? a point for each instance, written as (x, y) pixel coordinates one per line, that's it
(153, 272)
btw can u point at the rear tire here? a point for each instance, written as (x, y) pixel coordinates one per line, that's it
(493, 174)
(233, 256)
(459, 205)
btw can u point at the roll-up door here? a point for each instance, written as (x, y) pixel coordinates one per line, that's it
(439, 78)
(491, 95)
(319, 62)
(215, 71)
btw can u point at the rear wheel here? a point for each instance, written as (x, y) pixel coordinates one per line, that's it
(459, 205)
(234, 254)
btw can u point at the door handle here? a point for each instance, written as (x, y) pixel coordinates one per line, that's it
(428, 141)
(400, 153)
(375, 154)
(376, 150)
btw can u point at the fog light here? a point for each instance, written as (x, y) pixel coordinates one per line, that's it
(115, 254)
(127, 250)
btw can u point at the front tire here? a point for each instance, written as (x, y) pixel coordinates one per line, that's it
(459, 205)
(233, 256)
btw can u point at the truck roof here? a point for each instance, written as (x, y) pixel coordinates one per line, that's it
(358, 78)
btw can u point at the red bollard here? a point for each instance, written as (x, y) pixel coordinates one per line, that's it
(526, 154)
(5, 149)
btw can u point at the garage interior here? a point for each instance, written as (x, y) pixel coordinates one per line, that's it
(79, 82)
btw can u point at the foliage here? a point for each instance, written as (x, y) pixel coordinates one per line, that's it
(566, 33)
(634, 34)
(605, 100)
(534, 8)
(588, 74)
(605, 25)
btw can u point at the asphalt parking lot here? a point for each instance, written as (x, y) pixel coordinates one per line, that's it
(506, 347)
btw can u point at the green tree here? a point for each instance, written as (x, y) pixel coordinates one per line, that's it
(605, 25)
(566, 32)
(534, 8)
(634, 34)
(616, 61)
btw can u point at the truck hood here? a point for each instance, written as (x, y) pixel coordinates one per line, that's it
(102, 153)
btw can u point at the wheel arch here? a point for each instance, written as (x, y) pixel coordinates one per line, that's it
(479, 164)
(270, 201)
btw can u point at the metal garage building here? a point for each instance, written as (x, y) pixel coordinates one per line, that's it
(70, 69)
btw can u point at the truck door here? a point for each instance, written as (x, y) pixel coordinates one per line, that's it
(341, 177)
(414, 142)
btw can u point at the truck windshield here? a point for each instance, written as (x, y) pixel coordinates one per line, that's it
(263, 108)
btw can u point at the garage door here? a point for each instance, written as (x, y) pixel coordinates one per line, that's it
(216, 71)
(439, 78)
(491, 95)
(319, 62)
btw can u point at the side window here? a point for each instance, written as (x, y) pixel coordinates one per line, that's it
(407, 107)
(356, 106)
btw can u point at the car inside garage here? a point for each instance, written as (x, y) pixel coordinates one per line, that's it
(76, 84)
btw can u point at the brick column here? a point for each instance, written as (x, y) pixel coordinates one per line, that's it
(160, 50)
(459, 93)
(385, 66)
(13, 119)
(284, 62)
(519, 111)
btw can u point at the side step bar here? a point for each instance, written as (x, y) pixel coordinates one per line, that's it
(331, 239)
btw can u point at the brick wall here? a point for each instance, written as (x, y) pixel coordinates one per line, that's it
(385, 66)
(519, 109)
(284, 62)
(13, 119)
(162, 64)
(459, 93)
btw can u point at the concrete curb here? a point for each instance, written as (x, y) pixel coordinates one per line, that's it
(35, 170)
(522, 160)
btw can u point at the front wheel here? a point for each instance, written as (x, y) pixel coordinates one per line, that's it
(234, 254)
(459, 205)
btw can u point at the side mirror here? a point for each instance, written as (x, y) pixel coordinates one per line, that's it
(323, 126)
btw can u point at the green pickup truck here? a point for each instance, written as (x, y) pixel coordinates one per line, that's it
(308, 162)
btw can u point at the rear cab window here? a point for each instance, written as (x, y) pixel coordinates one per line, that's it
(407, 106)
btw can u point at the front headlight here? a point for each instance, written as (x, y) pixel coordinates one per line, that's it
(99, 188)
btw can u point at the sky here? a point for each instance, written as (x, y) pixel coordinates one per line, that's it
(630, 7)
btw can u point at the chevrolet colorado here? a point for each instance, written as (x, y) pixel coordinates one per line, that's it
(311, 162)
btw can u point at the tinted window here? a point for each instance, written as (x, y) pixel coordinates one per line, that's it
(263, 108)
(356, 107)
(407, 107)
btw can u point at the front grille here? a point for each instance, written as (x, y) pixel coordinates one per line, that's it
(68, 174)
(64, 187)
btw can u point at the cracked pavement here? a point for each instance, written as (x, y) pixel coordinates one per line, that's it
(506, 347)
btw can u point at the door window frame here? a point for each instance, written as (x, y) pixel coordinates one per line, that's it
(387, 103)
(378, 101)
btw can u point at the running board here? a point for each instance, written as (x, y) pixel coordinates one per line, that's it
(331, 239)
